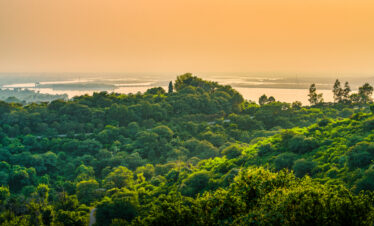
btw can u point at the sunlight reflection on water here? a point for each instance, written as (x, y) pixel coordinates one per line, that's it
(284, 95)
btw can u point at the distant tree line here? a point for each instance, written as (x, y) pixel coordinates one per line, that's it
(342, 94)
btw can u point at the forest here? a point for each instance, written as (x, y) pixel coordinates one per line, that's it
(195, 154)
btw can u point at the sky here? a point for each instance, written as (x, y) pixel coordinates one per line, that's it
(179, 36)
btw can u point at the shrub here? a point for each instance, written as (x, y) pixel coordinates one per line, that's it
(195, 183)
(285, 160)
(360, 155)
(369, 125)
(366, 182)
(303, 167)
(123, 205)
(232, 151)
(324, 122)
(358, 159)
(265, 149)
(301, 144)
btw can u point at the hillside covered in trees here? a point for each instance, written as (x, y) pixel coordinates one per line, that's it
(196, 154)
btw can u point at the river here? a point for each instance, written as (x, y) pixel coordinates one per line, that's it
(284, 95)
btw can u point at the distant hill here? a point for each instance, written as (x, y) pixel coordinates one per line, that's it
(25, 96)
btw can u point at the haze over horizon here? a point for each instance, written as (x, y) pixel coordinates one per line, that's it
(187, 36)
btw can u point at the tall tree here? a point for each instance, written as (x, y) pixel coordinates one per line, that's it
(263, 99)
(170, 87)
(314, 98)
(120, 177)
(42, 193)
(271, 99)
(365, 93)
(87, 191)
(4, 195)
(337, 91)
(346, 91)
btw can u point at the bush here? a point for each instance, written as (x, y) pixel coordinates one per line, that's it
(232, 151)
(284, 160)
(303, 167)
(195, 183)
(324, 122)
(358, 159)
(4, 194)
(87, 191)
(372, 108)
(333, 172)
(369, 125)
(201, 149)
(360, 155)
(301, 144)
(119, 208)
(265, 149)
(366, 182)
(346, 112)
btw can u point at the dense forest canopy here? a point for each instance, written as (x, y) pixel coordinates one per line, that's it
(197, 154)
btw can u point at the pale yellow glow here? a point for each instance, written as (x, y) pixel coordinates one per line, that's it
(191, 35)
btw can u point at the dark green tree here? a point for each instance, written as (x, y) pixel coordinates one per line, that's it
(232, 151)
(120, 177)
(122, 205)
(195, 183)
(346, 91)
(365, 93)
(87, 191)
(284, 160)
(338, 92)
(170, 90)
(303, 167)
(271, 99)
(263, 99)
(372, 108)
(314, 98)
(297, 105)
(4, 195)
(155, 91)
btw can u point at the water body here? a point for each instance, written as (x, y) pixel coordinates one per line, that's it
(285, 88)
(283, 95)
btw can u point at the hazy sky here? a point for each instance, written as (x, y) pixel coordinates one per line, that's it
(193, 35)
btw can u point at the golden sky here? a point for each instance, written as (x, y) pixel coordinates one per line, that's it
(193, 35)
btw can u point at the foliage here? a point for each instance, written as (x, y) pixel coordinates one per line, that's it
(314, 98)
(196, 155)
